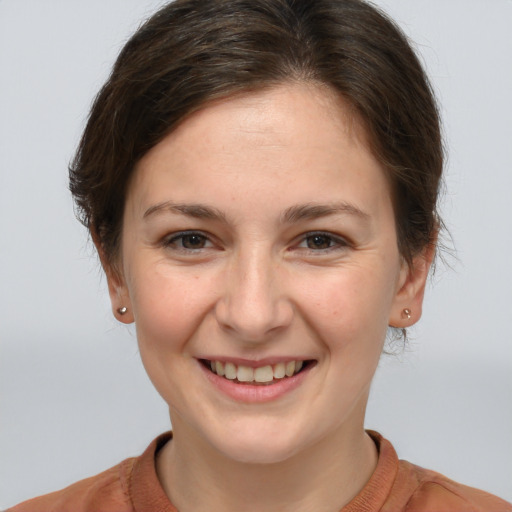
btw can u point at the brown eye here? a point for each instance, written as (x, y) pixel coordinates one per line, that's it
(319, 242)
(188, 241)
(322, 242)
(193, 241)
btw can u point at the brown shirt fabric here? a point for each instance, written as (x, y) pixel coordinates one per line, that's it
(395, 486)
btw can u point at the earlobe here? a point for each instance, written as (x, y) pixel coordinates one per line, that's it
(117, 289)
(408, 301)
(119, 296)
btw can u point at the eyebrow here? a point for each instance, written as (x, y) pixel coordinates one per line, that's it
(313, 211)
(293, 214)
(197, 211)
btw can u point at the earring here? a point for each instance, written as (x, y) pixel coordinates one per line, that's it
(122, 310)
(406, 313)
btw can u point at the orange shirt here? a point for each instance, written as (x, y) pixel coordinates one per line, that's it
(395, 486)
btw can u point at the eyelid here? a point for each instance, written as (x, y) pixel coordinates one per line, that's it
(339, 242)
(172, 238)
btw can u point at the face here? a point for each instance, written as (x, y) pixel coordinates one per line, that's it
(260, 265)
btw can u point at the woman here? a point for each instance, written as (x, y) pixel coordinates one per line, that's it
(260, 180)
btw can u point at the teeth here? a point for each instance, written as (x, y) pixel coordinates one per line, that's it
(279, 371)
(290, 368)
(230, 371)
(219, 368)
(263, 374)
(245, 374)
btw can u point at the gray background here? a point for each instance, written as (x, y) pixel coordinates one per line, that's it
(74, 398)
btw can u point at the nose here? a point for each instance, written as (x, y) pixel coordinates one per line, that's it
(254, 305)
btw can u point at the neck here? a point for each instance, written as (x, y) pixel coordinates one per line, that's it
(323, 477)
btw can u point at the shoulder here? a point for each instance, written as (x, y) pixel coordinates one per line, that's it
(399, 486)
(129, 486)
(105, 492)
(423, 490)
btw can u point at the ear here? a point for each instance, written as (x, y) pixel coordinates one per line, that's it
(117, 289)
(408, 302)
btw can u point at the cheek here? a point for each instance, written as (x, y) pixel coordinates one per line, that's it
(168, 308)
(350, 307)
(169, 304)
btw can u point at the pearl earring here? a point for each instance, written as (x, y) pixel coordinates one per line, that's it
(122, 310)
(406, 313)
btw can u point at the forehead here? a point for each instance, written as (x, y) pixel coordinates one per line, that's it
(275, 115)
(298, 138)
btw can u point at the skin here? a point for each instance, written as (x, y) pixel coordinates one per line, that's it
(254, 283)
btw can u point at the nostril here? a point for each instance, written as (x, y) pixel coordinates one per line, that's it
(253, 320)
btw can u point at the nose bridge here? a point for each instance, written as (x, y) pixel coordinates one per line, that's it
(254, 303)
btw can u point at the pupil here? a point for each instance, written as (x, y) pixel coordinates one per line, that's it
(193, 241)
(319, 242)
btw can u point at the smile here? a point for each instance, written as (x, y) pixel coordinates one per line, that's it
(267, 374)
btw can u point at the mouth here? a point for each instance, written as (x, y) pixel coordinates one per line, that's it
(257, 376)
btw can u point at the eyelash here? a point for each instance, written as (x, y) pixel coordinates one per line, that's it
(334, 242)
(172, 241)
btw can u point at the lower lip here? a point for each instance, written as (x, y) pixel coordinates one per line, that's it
(249, 393)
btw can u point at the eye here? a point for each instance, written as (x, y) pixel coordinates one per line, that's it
(190, 241)
(322, 241)
(319, 242)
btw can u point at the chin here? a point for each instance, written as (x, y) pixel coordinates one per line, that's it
(262, 452)
(253, 445)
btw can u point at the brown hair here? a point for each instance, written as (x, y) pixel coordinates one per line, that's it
(193, 51)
